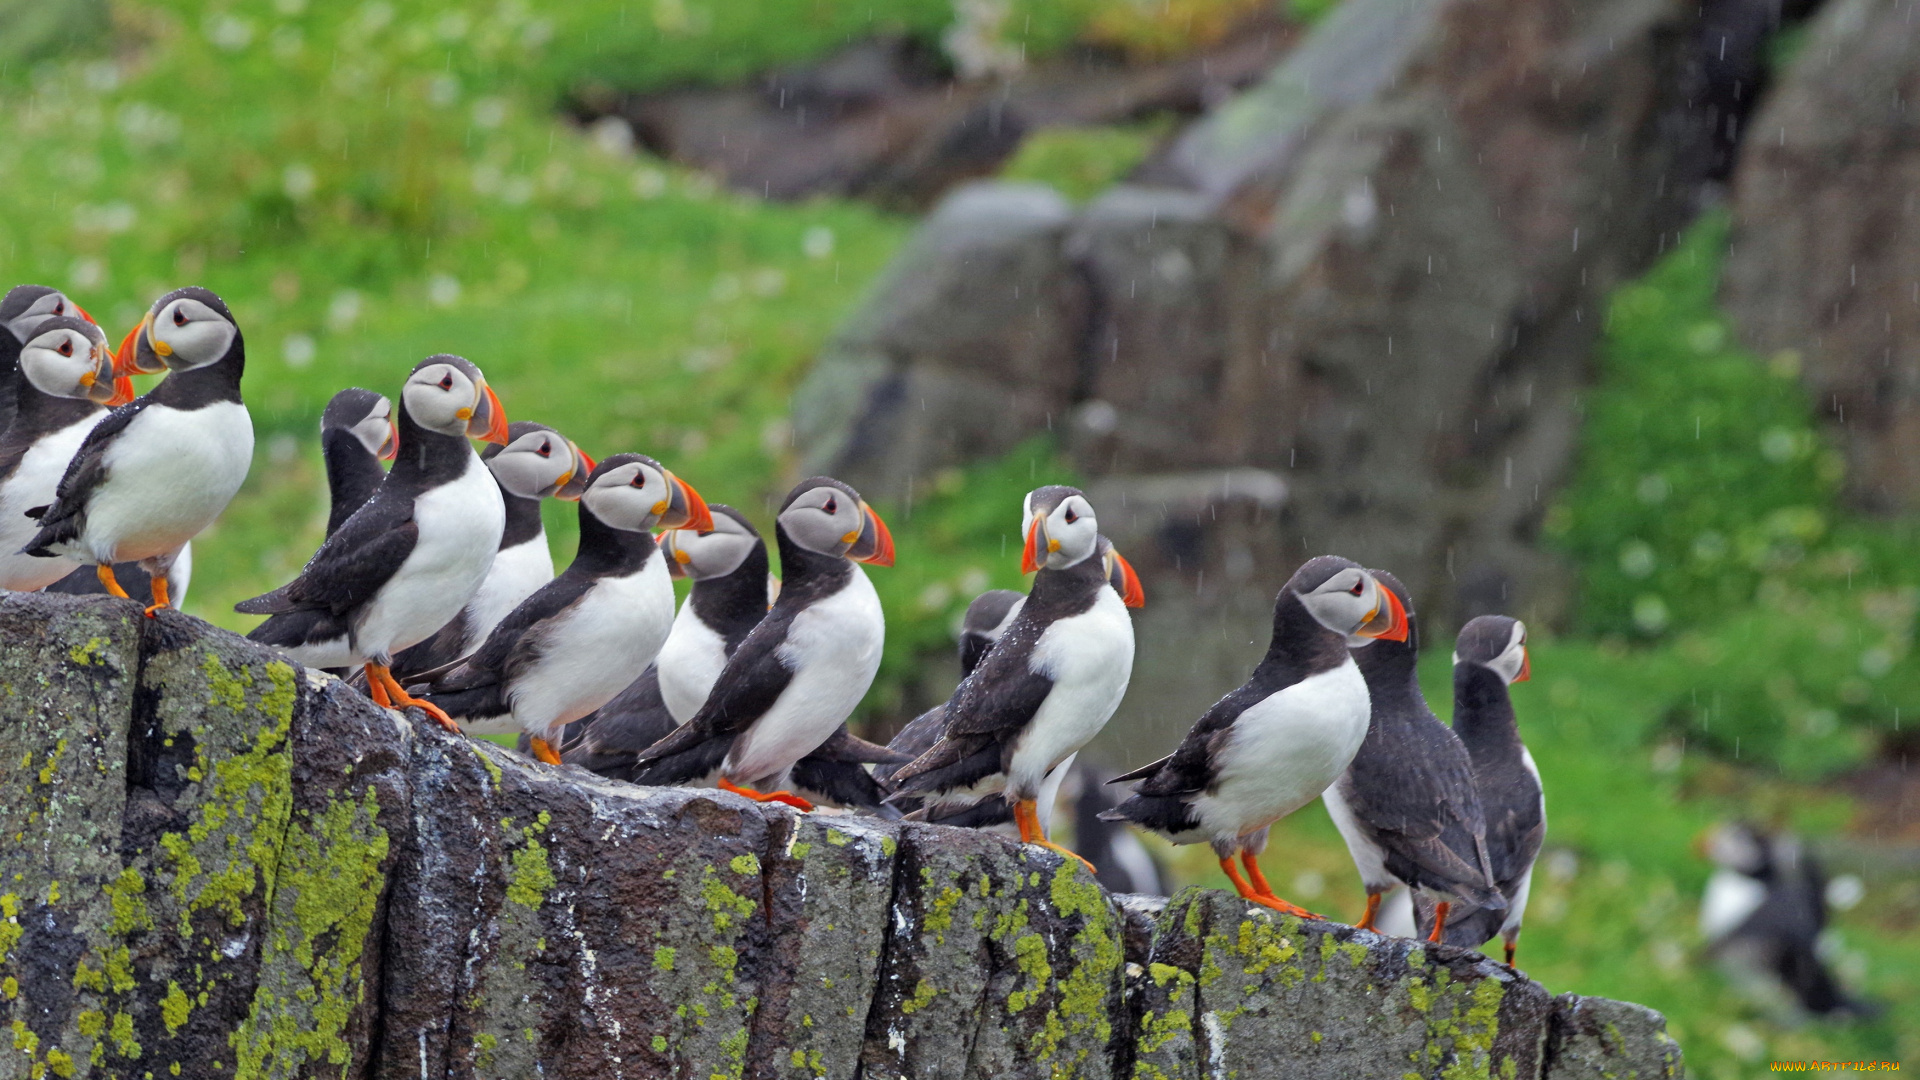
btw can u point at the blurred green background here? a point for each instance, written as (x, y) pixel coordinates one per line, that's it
(369, 183)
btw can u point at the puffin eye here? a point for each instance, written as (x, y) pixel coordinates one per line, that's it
(640, 479)
(833, 505)
(179, 317)
(446, 382)
(546, 449)
(66, 347)
(60, 308)
(1071, 516)
(1358, 588)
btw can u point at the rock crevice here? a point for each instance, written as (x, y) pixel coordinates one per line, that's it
(220, 865)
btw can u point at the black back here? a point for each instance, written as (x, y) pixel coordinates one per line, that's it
(353, 473)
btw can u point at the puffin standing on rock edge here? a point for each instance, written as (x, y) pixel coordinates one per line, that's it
(536, 463)
(1051, 682)
(161, 468)
(1406, 806)
(1489, 656)
(65, 378)
(801, 670)
(1271, 746)
(411, 558)
(568, 648)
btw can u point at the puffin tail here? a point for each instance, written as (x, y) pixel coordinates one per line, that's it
(845, 746)
(841, 781)
(274, 603)
(1166, 814)
(947, 766)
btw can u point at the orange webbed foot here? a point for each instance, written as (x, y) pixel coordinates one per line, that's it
(159, 596)
(543, 751)
(785, 798)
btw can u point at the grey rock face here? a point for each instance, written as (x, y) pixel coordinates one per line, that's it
(1376, 275)
(220, 862)
(1826, 241)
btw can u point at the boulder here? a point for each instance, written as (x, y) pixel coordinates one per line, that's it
(1377, 274)
(1824, 265)
(221, 865)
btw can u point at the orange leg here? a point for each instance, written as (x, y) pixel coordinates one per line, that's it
(1512, 947)
(400, 699)
(105, 573)
(787, 798)
(1439, 920)
(1373, 909)
(159, 595)
(1264, 891)
(378, 693)
(1026, 815)
(543, 751)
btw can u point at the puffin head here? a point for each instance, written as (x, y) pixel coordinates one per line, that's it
(1737, 846)
(1121, 576)
(826, 516)
(538, 462)
(715, 552)
(67, 357)
(27, 306)
(1350, 600)
(185, 329)
(366, 416)
(1495, 642)
(636, 493)
(447, 394)
(1060, 529)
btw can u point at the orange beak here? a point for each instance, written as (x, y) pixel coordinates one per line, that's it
(698, 517)
(1030, 554)
(875, 546)
(1130, 590)
(122, 392)
(390, 446)
(1526, 665)
(1390, 622)
(495, 422)
(123, 356)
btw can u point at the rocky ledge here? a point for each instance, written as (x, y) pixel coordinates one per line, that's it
(220, 865)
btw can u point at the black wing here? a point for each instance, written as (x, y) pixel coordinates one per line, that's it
(1189, 769)
(752, 681)
(66, 516)
(842, 782)
(1397, 797)
(350, 566)
(614, 735)
(985, 716)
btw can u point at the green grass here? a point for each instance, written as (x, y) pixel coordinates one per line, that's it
(1082, 162)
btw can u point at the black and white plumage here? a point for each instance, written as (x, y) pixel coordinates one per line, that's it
(1273, 745)
(161, 468)
(732, 590)
(1407, 806)
(794, 680)
(410, 558)
(356, 434)
(1762, 915)
(536, 463)
(571, 646)
(1489, 655)
(23, 308)
(1051, 682)
(62, 388)
(985, 620)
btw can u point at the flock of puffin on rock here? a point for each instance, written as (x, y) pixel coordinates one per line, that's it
(434, 589)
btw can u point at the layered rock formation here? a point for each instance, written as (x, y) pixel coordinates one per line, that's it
(219, 865)
(1825, 259)
(1375, 277)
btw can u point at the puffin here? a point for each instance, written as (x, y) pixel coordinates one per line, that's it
(1762, 916)
(732, 590)
(411, 557)
(162, 467)
(1268, 748)
(984, 622)
(1489, 656)
(570, 647)
(1406, 805)
(356, 435)
(794, 680)
(536, 463)
(23, 308)
(1051, 682)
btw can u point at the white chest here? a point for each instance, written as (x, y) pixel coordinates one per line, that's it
(515, 574)
(833, 649)
(1089, 658)
(459, 527)
(594, 649)
(1286, 749)
(689, 663)
(32, 484)
(169, 474)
